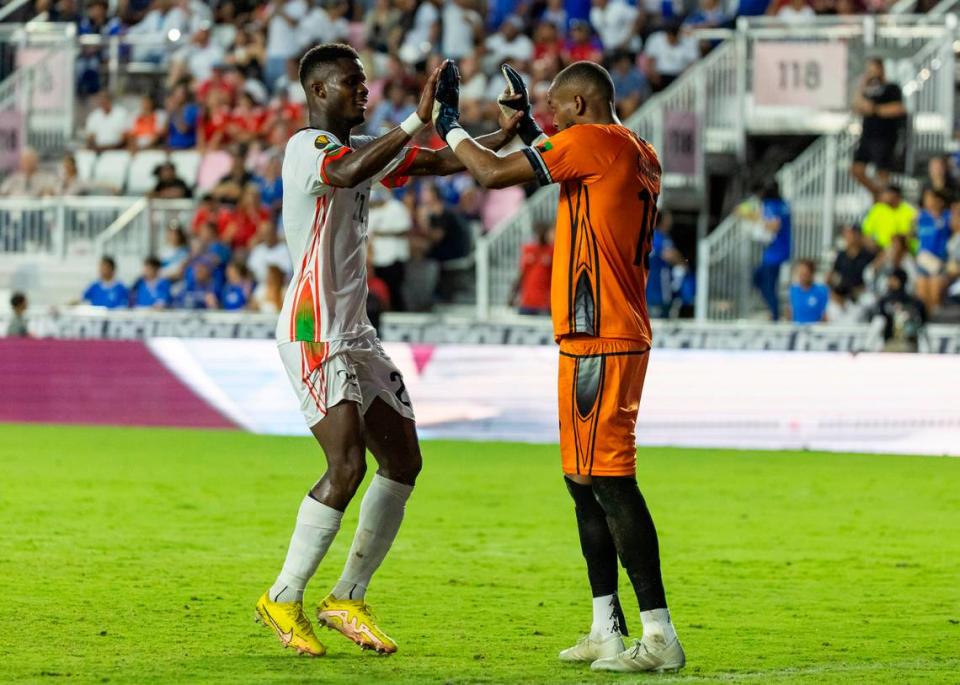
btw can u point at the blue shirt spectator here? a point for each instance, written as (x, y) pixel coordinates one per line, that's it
(808, 300)
(659, 288)
(239, 287)
(271, 191)
(933, 224)
(106, 292)
(200, 289)
(777, 250)
(150, 290)
(184, 120)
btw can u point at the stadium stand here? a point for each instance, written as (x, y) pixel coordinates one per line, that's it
(731, 94)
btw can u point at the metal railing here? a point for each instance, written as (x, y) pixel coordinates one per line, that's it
(70, 226)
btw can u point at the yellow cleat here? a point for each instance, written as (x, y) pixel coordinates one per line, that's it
(354, 619)
(291, 625)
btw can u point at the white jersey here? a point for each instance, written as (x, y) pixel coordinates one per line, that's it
(326, 233)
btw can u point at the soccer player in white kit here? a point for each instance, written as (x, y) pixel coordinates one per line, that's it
(352, 395)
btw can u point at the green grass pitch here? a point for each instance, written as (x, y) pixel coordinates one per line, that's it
(131, 555)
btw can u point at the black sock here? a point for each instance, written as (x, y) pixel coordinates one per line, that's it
(635, 537)
(597, 546)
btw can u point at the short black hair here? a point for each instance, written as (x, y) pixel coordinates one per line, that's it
(152, 261)
(588, 75)
(897, 190)
(18, 299)
(327, 53)
(109, 260)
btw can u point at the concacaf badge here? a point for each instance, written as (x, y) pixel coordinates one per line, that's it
(321, 142)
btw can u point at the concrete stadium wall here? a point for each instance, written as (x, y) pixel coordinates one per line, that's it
(832, 401)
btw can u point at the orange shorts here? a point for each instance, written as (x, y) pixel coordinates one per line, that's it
(599, 392)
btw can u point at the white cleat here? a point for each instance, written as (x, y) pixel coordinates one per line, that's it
(650, 654)
(589, 650)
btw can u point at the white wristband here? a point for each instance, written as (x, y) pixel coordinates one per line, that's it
(412, 125)
(457, 136)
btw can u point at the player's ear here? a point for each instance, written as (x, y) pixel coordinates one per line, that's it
(319, 89)
(581, 105)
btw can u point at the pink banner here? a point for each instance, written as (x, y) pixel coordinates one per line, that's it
(800, 74)
(101, 382)
(52, 80)
(680, 143)
(10, 142)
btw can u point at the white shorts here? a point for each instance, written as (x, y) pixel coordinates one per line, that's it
(359, 371)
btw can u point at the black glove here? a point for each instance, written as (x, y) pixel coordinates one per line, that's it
(516, 99)
(446, 103)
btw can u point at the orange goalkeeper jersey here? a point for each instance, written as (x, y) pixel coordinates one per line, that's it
(610, 182)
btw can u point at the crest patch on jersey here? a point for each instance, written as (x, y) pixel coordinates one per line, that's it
(321, 142)
(544, 147)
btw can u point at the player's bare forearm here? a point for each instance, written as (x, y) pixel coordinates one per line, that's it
(443, 162)
(362, 164)
(490, 170)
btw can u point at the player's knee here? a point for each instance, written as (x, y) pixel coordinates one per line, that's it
(615, 492)
(347, 476)
(405, 468)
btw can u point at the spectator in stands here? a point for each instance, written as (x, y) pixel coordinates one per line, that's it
(663, 254)
(941, 179)
(556, 14)
(197, 58)
(508, 44)
(169, 185)
(378, 297)
(164, 20)
(844, 309)
(268, 296)
(238, 226)
(448, 233)
(249, 54)
(880, 103)
(70, 183)
(175, 254)
(582, 46)
(214, 122)
(462, 28)
(17, 328)
(667, 54)
(90, 57)
(808, 300)
(615, 22)
(283, 17)
(547, 43)
(795, 12)
(246, 120)
(889, 216)
(149, 127)
(531, 292)
(684, 289)
(851, 262)
(382, 27)
(388, 225)
(151, 290)
(208, 246)
(393, 109)
(708, 15)
(239, 287)
(184, 119)
(950, 281)
(774, 223)
(106, 291)
(270, 183)
(903, 315)
(628, 83)
(200, 289)
(267, 251)
(896, 257)
(424, 33)
(29, 180)
(326, 22)
(933, 232)
(107, 124)
(230, 187)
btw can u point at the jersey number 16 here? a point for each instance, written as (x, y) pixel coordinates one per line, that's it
(648, 219)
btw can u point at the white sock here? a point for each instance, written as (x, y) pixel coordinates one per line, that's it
(605, 621)
(317, 525)
(381, 512)
(657, 624)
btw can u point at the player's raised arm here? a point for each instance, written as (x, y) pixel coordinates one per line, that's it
(360, 165)
(490, 170)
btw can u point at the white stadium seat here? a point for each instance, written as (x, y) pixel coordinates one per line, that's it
(140, 178)
(85, 162)
(187, 163)
(111, 168)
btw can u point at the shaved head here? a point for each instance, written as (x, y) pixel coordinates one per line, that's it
(589, 80)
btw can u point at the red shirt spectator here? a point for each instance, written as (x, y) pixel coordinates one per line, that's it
(214, 123)
(536, 264)
(246, 120)
(238, 226)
